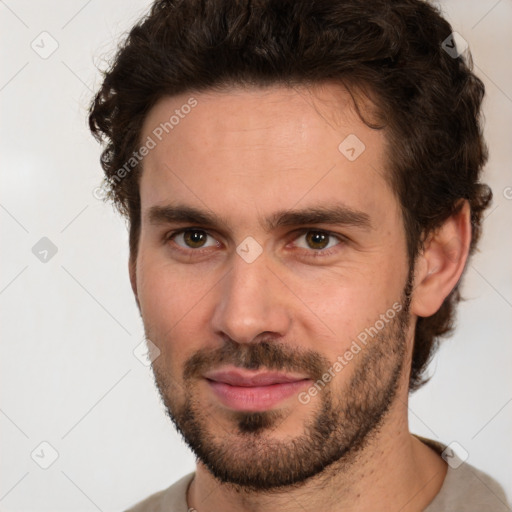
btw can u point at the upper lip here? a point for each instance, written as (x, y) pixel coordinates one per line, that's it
(249, 378)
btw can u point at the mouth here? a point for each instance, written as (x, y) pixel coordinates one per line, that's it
(244, 390)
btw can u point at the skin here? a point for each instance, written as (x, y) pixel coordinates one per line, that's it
(243, 155)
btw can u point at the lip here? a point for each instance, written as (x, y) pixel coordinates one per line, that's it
(244, 390)
(248, 378)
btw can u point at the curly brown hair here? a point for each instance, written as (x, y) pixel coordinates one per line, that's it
(393, 51)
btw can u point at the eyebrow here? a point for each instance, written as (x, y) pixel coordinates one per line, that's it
(333, 214)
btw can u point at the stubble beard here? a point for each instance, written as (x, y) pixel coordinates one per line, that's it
(247, 455)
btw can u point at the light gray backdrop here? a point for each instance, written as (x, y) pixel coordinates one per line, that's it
(69, 378)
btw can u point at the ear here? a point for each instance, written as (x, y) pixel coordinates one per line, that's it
(439, 266)
(132, 270)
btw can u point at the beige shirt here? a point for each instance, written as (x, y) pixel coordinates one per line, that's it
(465, 489)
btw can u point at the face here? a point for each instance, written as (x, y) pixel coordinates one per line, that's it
(272, 275)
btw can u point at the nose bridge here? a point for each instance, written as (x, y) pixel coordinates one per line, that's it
(250, 302)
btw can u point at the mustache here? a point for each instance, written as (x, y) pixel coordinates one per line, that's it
(271, 355)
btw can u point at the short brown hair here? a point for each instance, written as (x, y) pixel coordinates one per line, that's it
(427, 98)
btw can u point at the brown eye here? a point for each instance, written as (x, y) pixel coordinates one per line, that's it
(317, 239)
(194, 239)
(318, 243)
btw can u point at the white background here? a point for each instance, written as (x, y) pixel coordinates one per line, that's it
(69, 326)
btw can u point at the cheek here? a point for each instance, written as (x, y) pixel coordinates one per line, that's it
(345, 304)
(174, 306)
(165, 296)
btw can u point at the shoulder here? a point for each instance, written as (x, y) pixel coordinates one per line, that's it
(469, 489)
(465, 487)
(172, 499)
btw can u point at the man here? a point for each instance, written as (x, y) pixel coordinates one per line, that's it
(302, 185)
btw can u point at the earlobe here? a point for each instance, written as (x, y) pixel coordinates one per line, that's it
(441, 263)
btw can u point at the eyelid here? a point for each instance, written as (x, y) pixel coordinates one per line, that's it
(302, 231)
(320, 252)
(296, 234)
(173, 234)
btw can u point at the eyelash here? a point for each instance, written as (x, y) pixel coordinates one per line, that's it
(312, 252)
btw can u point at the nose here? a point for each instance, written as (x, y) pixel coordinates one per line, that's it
(252, 303)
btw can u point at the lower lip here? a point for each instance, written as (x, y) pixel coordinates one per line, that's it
(255, 398)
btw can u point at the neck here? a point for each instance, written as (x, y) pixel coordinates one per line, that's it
(394, 471)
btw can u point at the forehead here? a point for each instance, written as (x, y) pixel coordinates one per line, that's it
(262, 148)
